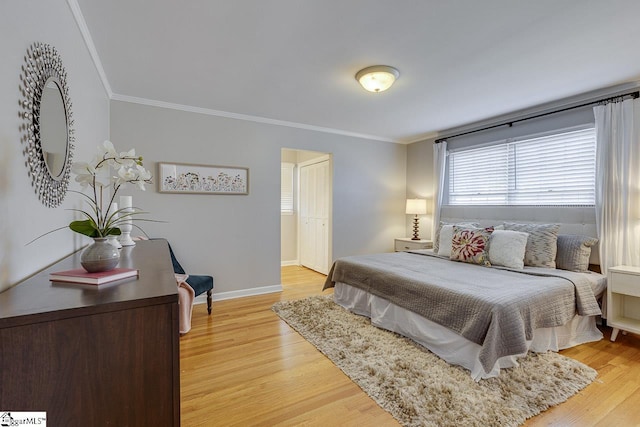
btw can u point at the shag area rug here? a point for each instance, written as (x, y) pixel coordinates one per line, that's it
(420, 389)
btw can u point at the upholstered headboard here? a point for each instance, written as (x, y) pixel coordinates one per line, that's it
(572, 220)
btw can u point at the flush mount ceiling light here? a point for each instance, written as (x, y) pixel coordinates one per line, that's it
(377, 78)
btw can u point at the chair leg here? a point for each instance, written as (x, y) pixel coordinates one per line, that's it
(209, 301)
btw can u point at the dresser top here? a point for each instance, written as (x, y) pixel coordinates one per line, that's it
(38, 299)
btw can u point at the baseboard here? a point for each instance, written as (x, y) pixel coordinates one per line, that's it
(288, 263)
(202, 298)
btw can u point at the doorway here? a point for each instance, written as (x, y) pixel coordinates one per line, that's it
(306, 229)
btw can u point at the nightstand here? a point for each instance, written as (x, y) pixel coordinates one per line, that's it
(406, 244)
(623, 299)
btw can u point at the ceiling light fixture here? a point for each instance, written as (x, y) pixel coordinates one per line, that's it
(377, 78)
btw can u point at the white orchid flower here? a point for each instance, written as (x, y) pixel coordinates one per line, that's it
(126, 158)
(144, 174)
(84, 180)
(126, 175)
(129, 163)
(84, 173)
(107, 150)
(130, 153)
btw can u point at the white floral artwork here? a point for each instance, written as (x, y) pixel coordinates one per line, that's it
(186, 178)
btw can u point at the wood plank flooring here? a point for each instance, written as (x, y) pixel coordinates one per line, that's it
(243, 366)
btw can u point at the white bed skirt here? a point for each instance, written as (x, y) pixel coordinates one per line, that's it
(450, 346)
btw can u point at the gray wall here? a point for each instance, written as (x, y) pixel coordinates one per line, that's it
(23, 217)
(237, 238)
(420, 182)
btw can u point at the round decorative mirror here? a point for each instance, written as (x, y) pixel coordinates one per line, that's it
(53, 128)
(47, 127)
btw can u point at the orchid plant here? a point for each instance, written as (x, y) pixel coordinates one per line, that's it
(98, 175)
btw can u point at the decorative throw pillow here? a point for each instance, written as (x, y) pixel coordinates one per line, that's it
(574, 252)
(436, 235)
(471, 245)
(507, 248)
(446, 236)
(541, 244)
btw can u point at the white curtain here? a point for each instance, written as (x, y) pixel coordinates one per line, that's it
(439, 167)
(618, 183)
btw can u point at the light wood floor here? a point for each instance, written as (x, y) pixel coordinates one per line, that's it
(243, 366)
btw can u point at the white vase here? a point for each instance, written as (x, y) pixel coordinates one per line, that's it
(100, 256)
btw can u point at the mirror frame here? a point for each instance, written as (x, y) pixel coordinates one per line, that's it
(42, 63)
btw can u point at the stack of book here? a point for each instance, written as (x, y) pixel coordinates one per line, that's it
(80, 275)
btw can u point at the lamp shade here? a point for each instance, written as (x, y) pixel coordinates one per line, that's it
(377, 78)
(416, 206)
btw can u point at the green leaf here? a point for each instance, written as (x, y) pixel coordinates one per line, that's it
(115, 231)
(86, 227)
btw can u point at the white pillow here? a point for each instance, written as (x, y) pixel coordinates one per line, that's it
(507, 248)
(446, 238)
(436, 240)
(542, 245)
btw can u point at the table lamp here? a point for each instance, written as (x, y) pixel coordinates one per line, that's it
(416, 207)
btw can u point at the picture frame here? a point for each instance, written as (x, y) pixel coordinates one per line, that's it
(186, 178)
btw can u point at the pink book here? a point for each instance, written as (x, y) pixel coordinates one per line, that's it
(80, 275)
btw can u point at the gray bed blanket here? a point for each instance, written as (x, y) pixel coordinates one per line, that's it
(496, 308)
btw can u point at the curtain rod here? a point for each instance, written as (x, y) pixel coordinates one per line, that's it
(634, 95)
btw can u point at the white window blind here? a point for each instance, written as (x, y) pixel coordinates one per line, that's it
(551, 170)
(286, 188)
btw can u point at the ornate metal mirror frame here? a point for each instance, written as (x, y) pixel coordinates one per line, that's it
(48, 143)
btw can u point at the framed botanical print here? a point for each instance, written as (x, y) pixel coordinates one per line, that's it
(202, 179)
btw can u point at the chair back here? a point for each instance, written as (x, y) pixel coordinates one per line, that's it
(177, 268)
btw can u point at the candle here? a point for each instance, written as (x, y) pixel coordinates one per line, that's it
(126, 202)
(126, 225)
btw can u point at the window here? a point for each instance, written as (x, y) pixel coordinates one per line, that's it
(286, 188)
(552, 170)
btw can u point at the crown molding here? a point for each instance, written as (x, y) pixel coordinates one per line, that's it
(420, 138)
(245, 117)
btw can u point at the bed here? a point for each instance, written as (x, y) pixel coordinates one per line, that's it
(479, 317)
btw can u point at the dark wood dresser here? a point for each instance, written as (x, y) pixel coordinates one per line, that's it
(94, 356)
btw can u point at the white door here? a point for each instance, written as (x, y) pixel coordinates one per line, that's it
(314, 216)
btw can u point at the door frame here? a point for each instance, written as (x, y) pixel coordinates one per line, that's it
(326, 157)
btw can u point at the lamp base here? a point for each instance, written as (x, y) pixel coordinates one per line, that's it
(415, 228)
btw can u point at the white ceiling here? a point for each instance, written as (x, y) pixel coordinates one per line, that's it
(294, 61)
